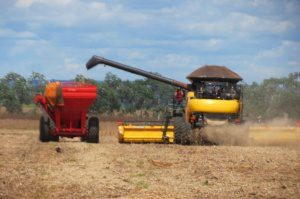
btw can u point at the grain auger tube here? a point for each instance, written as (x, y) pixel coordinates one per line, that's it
(95, 60)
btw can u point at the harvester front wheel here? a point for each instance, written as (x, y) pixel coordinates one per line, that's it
(93, 130)
(182, 131)
(45, 135)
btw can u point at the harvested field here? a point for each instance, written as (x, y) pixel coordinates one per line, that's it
(72, 169)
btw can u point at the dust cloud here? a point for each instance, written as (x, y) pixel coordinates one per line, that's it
(221, 135)
(244, 135)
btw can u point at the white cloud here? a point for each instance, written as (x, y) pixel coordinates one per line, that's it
(208, 45)
(275, 62)
(260, 2)
(255, 24)
(237, 22)
(26, 34)
(100, 11)
(76, 13)
(136, 55)
(24, 45)
(260, 71)
(70, 65)
(294, 63)
(292, 6)
(284, 50)
(174, 62)
(27, 3)
(171, 38)
(5, 32)
(214, 43)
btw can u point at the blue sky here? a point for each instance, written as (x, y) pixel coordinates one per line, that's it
(258, 39)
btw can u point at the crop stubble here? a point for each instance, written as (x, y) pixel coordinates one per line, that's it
(31, 169)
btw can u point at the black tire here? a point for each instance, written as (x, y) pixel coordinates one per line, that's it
(52, 126)
(182, 131)
(54, 138)
(93, 130)
(83, 139)
(45, 135)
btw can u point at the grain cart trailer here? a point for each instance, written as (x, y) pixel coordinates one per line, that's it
(66, 104)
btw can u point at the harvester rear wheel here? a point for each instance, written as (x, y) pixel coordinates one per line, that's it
(182, 131)
(93, 130)
(45, 135)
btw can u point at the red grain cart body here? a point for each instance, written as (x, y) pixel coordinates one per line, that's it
(68, 119)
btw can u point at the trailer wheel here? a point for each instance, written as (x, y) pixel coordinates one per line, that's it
(45, 135)
(93, 130)
(83, 139)
(182, 131)
(54, 138)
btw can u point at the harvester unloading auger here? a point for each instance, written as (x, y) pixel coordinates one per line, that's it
(213, 98)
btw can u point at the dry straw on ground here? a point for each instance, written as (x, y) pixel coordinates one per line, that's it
(31, 169)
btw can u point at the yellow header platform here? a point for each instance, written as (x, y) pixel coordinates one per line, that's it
(141, 134)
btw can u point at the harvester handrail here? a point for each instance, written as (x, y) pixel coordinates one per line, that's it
(95, 60)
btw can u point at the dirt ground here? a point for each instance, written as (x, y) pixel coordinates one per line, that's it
(72, 169)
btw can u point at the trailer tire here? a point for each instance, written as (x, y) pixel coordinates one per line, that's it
(93, 130)
(52, 126)
(182, 131)
(45, 135)
(55, 138)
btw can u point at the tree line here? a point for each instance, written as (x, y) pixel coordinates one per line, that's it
(274, 97)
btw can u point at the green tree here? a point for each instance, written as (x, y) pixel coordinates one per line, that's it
(284, 96)
(9, 99)
(162, 95)
(14, 92)
(109, 91)
(36, 85)
(274, 97)
(97, 105)
(108, 99)
(127, 96)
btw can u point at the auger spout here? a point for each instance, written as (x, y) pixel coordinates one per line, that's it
(95, 60)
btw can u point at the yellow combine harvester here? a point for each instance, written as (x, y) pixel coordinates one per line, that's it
(214, 98)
